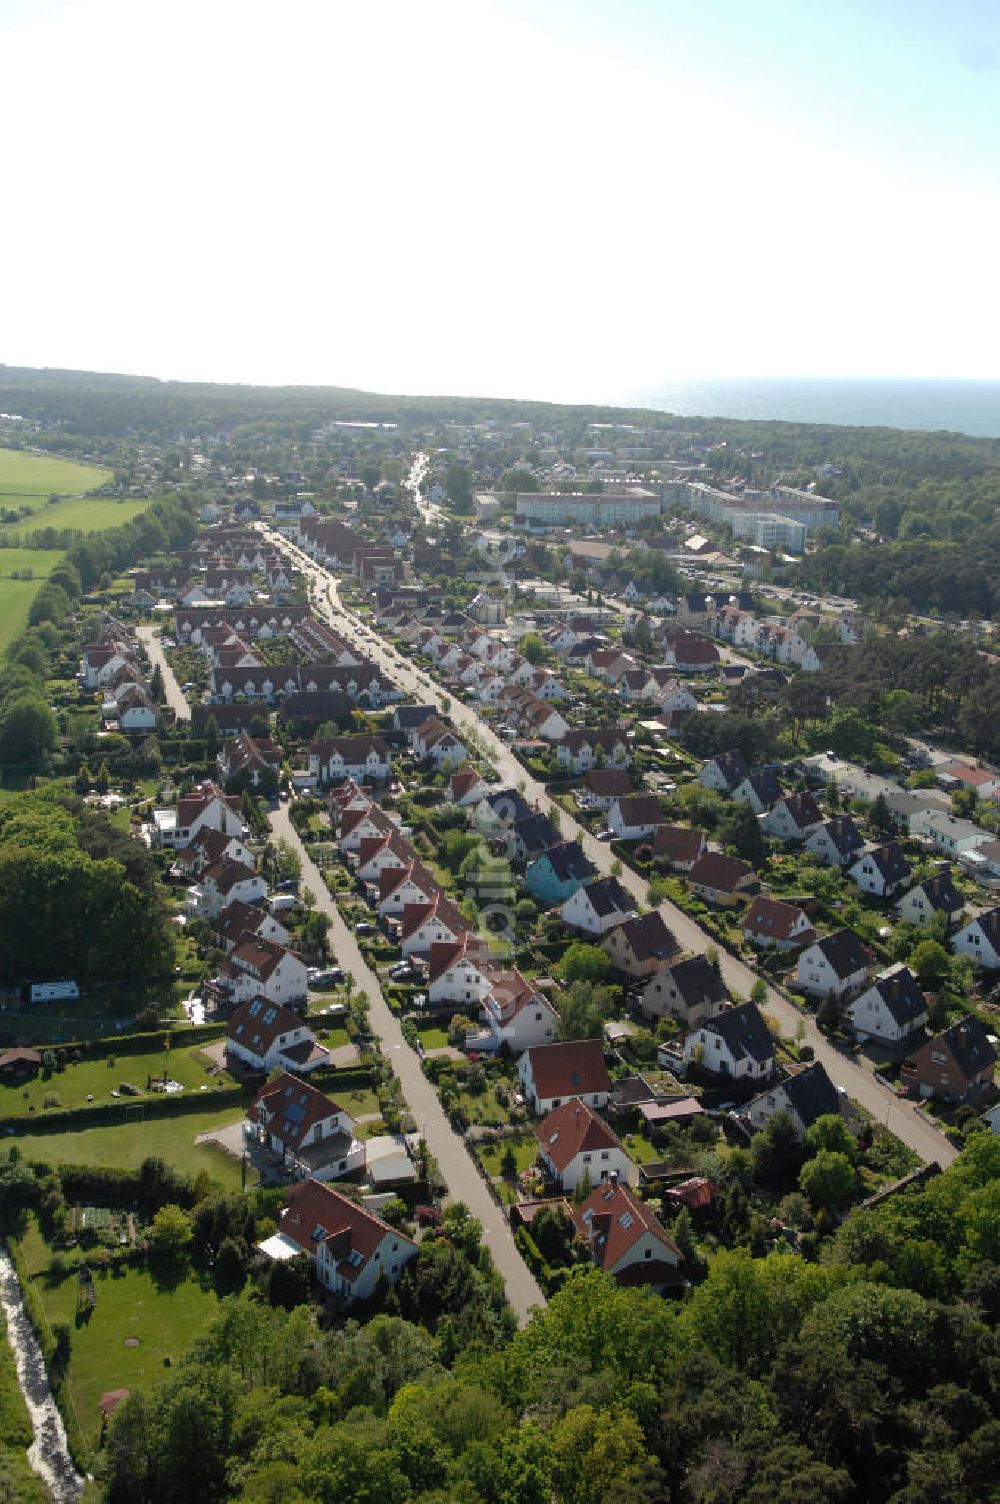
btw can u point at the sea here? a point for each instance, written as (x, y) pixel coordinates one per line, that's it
(971, 407)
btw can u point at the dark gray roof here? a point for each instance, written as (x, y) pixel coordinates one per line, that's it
(766, 786)
(942, 894)
(607, 896)
(811, 1094)
(733, 766)
(897, 987)
(409, 717)
(537, 833)
(844, 834)
(649, 937)
(508, 806)
(568, 860)
(989, 923)
(698, 982)
(969, 1044)
(803, 809)
(890, 861)
(743, 1029)
(844, 951)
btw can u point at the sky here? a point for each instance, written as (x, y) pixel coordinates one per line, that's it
(562, 199)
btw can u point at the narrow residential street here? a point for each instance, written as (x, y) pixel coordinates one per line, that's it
(150, 639)
(900, 1117)
(461, 1175)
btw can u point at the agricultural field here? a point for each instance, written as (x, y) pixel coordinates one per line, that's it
(28, 480)
(138, 1320)
(16, 595)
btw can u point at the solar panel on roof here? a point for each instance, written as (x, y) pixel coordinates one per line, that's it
(270, 1015)
(255, 1007)
(355, 1259)
(318, 1233)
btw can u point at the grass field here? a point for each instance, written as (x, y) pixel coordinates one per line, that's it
(99, 1078)
(16, 596)
(162, 1318)
(127, 1144)
(30, 479)
(88, 514)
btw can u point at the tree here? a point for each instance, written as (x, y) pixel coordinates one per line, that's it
(27, 730)
(584, 962)
(828, 1180)
(172, 1230)
(831, 1132)
(532, 647)
(740, 829)
(880, 818)
(930, 962)
(459, 482)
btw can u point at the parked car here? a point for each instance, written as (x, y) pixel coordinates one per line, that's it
(363, 927)
(324, 979)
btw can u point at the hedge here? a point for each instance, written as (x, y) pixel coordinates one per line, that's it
(104, 1114)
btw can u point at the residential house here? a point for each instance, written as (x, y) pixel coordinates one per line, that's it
(725, 772)
(736, 1043)
(760, 790)
(835, 965)
(576, 1146)
(240, 919)
(680, 845)
(805, 1097)
(467, 787)
(640, 946)
(398, 886)
(436, 743)
(580, 750)
(258, 967)
(597, 907)
(938, 895)
(223, 883)
(947, 833)
(516, 1013)
(551, 1074)
(691, 989)
(980, 939)
(311, 1135)
(882, 872)
(955, 1066)
(793, 818)
(350, 1247)
(600, 787)
(263, 1036)
(256, 759)
(891, 1011)
(635, 817)
(207, 807)
(436, 920)
(722, 880)
(837, 842)
(460, 972)
(363, 758)
(530, 837)
(555, 875)
(773, 923)
(624, 1238)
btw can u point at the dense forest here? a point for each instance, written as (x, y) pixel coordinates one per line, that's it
(869, 1375)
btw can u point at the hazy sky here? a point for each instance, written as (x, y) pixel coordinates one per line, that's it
(550, 198)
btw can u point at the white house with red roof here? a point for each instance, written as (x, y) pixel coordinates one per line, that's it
(459, 972)
(357, 825)
(311, 1134)
(207, 808)
(625, 1239)
(552, 1074)
(239, 919)
(436, 743)
(349, 1246)
(399, 886)
(263, 1036)
(257, 967)
(467, 787)
(574, 1144)
(432, 921)
(383, 853)
(517, 1014)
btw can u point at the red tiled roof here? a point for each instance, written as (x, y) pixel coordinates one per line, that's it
(611, 1221)
(291, 1108)
(317, 1214)
(569, 1069)
(570, 1130)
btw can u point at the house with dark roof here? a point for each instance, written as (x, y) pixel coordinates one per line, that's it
(597, 907)
(980, 939)
(938, 895)
(556, 874)
(680, 845)
(760, 790)
(240, 919)
(722, 880)
(725, 772)
(806, 1096)
(581, 749)
(530, 837)
(835, 965)
(793, 818)
(892, 1011)
(735, 1044)
(883, 871)
(837, 842)
(635, 817)
(310, 1134)
(575, 1144)
(955, 1066)
(773, 923)
(263, 1036)
(690, 989)
(332, 759)
(552, 1074)
(641, 946)
(624, 1238)
(350, 1247)
(600, 787)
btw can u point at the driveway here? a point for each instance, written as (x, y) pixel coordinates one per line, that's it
(150, 639)
(461, 1175)
(900, 1117)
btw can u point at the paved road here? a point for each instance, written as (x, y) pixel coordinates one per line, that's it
(461, 1176)
(902, 1118)
(150, 638)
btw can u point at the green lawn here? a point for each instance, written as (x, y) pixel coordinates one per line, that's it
(99, 1078)
(163, 1317)
(640, 1148)
(88, 514)
(525, 1150)
(127, 1144)
(29, 479)
(433, 1038)
(16, 596)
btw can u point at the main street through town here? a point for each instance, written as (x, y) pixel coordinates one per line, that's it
(901, 1118)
